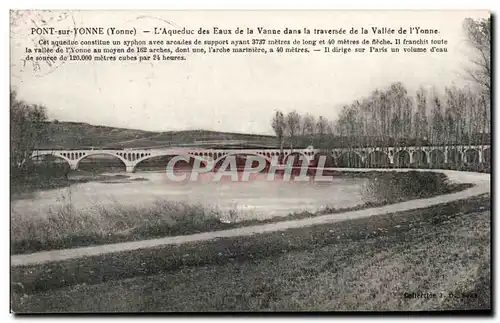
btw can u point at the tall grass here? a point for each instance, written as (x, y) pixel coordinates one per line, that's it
(65, 226)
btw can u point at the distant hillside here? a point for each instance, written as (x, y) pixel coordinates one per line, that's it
(71, 135)
(74, 135)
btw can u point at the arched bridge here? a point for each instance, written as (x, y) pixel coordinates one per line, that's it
(435, 156)
(132, 157)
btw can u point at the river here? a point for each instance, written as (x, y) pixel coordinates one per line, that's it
(254, 199)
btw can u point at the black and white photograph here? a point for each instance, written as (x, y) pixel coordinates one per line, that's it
(201, 161)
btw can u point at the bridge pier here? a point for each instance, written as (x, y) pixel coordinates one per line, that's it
(73, 166)
(130, 168)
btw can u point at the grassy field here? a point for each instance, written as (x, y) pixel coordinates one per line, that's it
(67, 227)
(364, 264)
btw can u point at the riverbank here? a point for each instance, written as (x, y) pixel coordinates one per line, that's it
(361, 264)
(25, 186)
(68, 227)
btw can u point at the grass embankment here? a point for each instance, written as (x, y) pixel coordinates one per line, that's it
(67, 227)
(363, 264)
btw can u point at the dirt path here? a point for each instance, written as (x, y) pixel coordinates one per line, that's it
(481, 181)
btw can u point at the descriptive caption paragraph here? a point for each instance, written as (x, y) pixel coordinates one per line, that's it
(109, 44)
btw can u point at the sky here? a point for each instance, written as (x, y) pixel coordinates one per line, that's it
(231, 92)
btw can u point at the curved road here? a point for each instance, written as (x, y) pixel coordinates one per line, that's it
(481, 183)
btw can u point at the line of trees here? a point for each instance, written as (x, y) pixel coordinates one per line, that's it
(394, 117)
(300, 130)
(391, 117)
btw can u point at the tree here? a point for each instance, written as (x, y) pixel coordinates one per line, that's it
(354, 121)
(27, 128)
(455, 106)
(479, 37)
(279, 126)
(308, 124)
(332, 127)
(321, 129)
(381, 114)
(472, 115)
(408, 106)
(397, 96)
(292, 126)
(437, 120)
(420, 124)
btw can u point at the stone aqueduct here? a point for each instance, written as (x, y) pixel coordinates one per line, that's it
(351, 157)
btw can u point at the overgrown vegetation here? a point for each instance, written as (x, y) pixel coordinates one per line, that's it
(393, 187)
(65, 226)
(33, 177)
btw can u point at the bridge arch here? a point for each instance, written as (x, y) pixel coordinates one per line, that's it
(51, 159)
(437, 158)
(487, 156)
(454, 157)
(420, 158)
(378, 158)
(350, 159)
(471, 156)
(402, 158)
(149, 157)
(330, 160)
(100, 153)
(59, 156)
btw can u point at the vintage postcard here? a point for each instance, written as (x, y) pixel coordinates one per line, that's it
(244, 161)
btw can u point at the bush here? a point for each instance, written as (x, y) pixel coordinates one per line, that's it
(395, 186)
